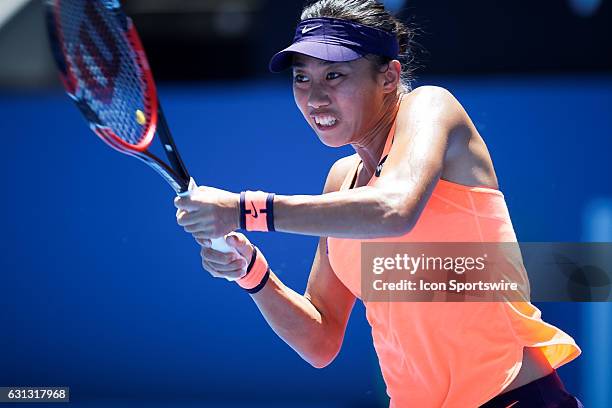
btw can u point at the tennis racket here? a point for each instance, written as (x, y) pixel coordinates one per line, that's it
(105, 71)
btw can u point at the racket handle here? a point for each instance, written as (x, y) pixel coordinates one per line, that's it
(218, 244)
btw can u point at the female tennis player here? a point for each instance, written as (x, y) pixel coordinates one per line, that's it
(421, 173)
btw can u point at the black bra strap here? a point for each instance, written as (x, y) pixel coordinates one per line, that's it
(355, 176)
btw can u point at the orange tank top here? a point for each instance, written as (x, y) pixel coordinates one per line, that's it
(435, 354)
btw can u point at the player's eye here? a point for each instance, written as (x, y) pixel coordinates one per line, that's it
(333, 75)
(299, 78)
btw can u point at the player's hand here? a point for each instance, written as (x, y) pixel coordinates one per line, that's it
(227, 265)
(208, 212)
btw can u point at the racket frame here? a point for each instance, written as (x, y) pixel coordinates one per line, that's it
(175, 173)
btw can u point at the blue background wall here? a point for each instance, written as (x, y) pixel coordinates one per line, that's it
(101, 291)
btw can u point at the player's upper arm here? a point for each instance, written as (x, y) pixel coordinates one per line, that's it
(325, 291)
(427, 119)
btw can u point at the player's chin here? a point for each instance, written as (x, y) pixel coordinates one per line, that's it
(330, 138)
(331, 142)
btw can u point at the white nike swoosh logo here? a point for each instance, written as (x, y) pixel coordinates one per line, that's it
(307, 29)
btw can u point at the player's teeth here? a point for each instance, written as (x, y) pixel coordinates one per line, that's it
(325, 120)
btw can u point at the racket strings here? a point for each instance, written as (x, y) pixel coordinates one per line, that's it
(108, 71)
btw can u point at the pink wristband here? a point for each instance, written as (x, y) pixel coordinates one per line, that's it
(257, 273)
(257, 211)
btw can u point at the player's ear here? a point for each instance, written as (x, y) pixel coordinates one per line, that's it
(392, 76)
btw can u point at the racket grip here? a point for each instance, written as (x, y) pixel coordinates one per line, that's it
(218, 244)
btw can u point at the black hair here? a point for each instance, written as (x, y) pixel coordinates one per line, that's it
(371, 13)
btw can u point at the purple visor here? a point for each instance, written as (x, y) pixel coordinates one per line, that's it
(335, 40)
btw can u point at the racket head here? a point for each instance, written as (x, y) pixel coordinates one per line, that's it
(104, 69)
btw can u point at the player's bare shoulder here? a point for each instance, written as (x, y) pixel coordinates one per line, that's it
(435, 103)
(466, 160)
(338, 172)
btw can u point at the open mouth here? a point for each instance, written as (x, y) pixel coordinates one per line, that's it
(325, 122)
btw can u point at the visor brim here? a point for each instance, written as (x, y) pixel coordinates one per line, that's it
(317, 49)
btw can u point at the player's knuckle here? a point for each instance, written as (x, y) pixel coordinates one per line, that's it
(212, 271)
(191, 228)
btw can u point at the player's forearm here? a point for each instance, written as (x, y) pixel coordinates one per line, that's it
(298, 322)
(365, 212)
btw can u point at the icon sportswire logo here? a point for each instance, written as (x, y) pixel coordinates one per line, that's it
(308, 29)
